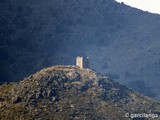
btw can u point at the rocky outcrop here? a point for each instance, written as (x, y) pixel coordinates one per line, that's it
(67, 92)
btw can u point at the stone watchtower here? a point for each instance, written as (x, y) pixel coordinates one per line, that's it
(82, 62)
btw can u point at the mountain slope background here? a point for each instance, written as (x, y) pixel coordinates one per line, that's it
(121, 41)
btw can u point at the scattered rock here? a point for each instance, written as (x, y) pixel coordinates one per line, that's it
(17, 99)
(70, 93)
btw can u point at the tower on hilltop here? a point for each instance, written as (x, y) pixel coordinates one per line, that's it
(82, 62)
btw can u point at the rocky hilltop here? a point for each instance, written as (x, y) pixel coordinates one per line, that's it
(66, 93)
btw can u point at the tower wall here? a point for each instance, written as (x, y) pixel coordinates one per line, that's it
(79, 62)
(82, 62)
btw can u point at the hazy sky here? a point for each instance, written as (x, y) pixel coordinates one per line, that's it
(146, 5)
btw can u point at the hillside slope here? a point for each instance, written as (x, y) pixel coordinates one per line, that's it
(67, 92)
(121, 41)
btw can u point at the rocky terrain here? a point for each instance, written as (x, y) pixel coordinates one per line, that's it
(70, 93)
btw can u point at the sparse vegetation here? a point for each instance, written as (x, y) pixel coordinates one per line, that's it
(65, 92)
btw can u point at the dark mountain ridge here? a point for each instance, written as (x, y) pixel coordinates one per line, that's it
(67, 92)
(121, 41)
